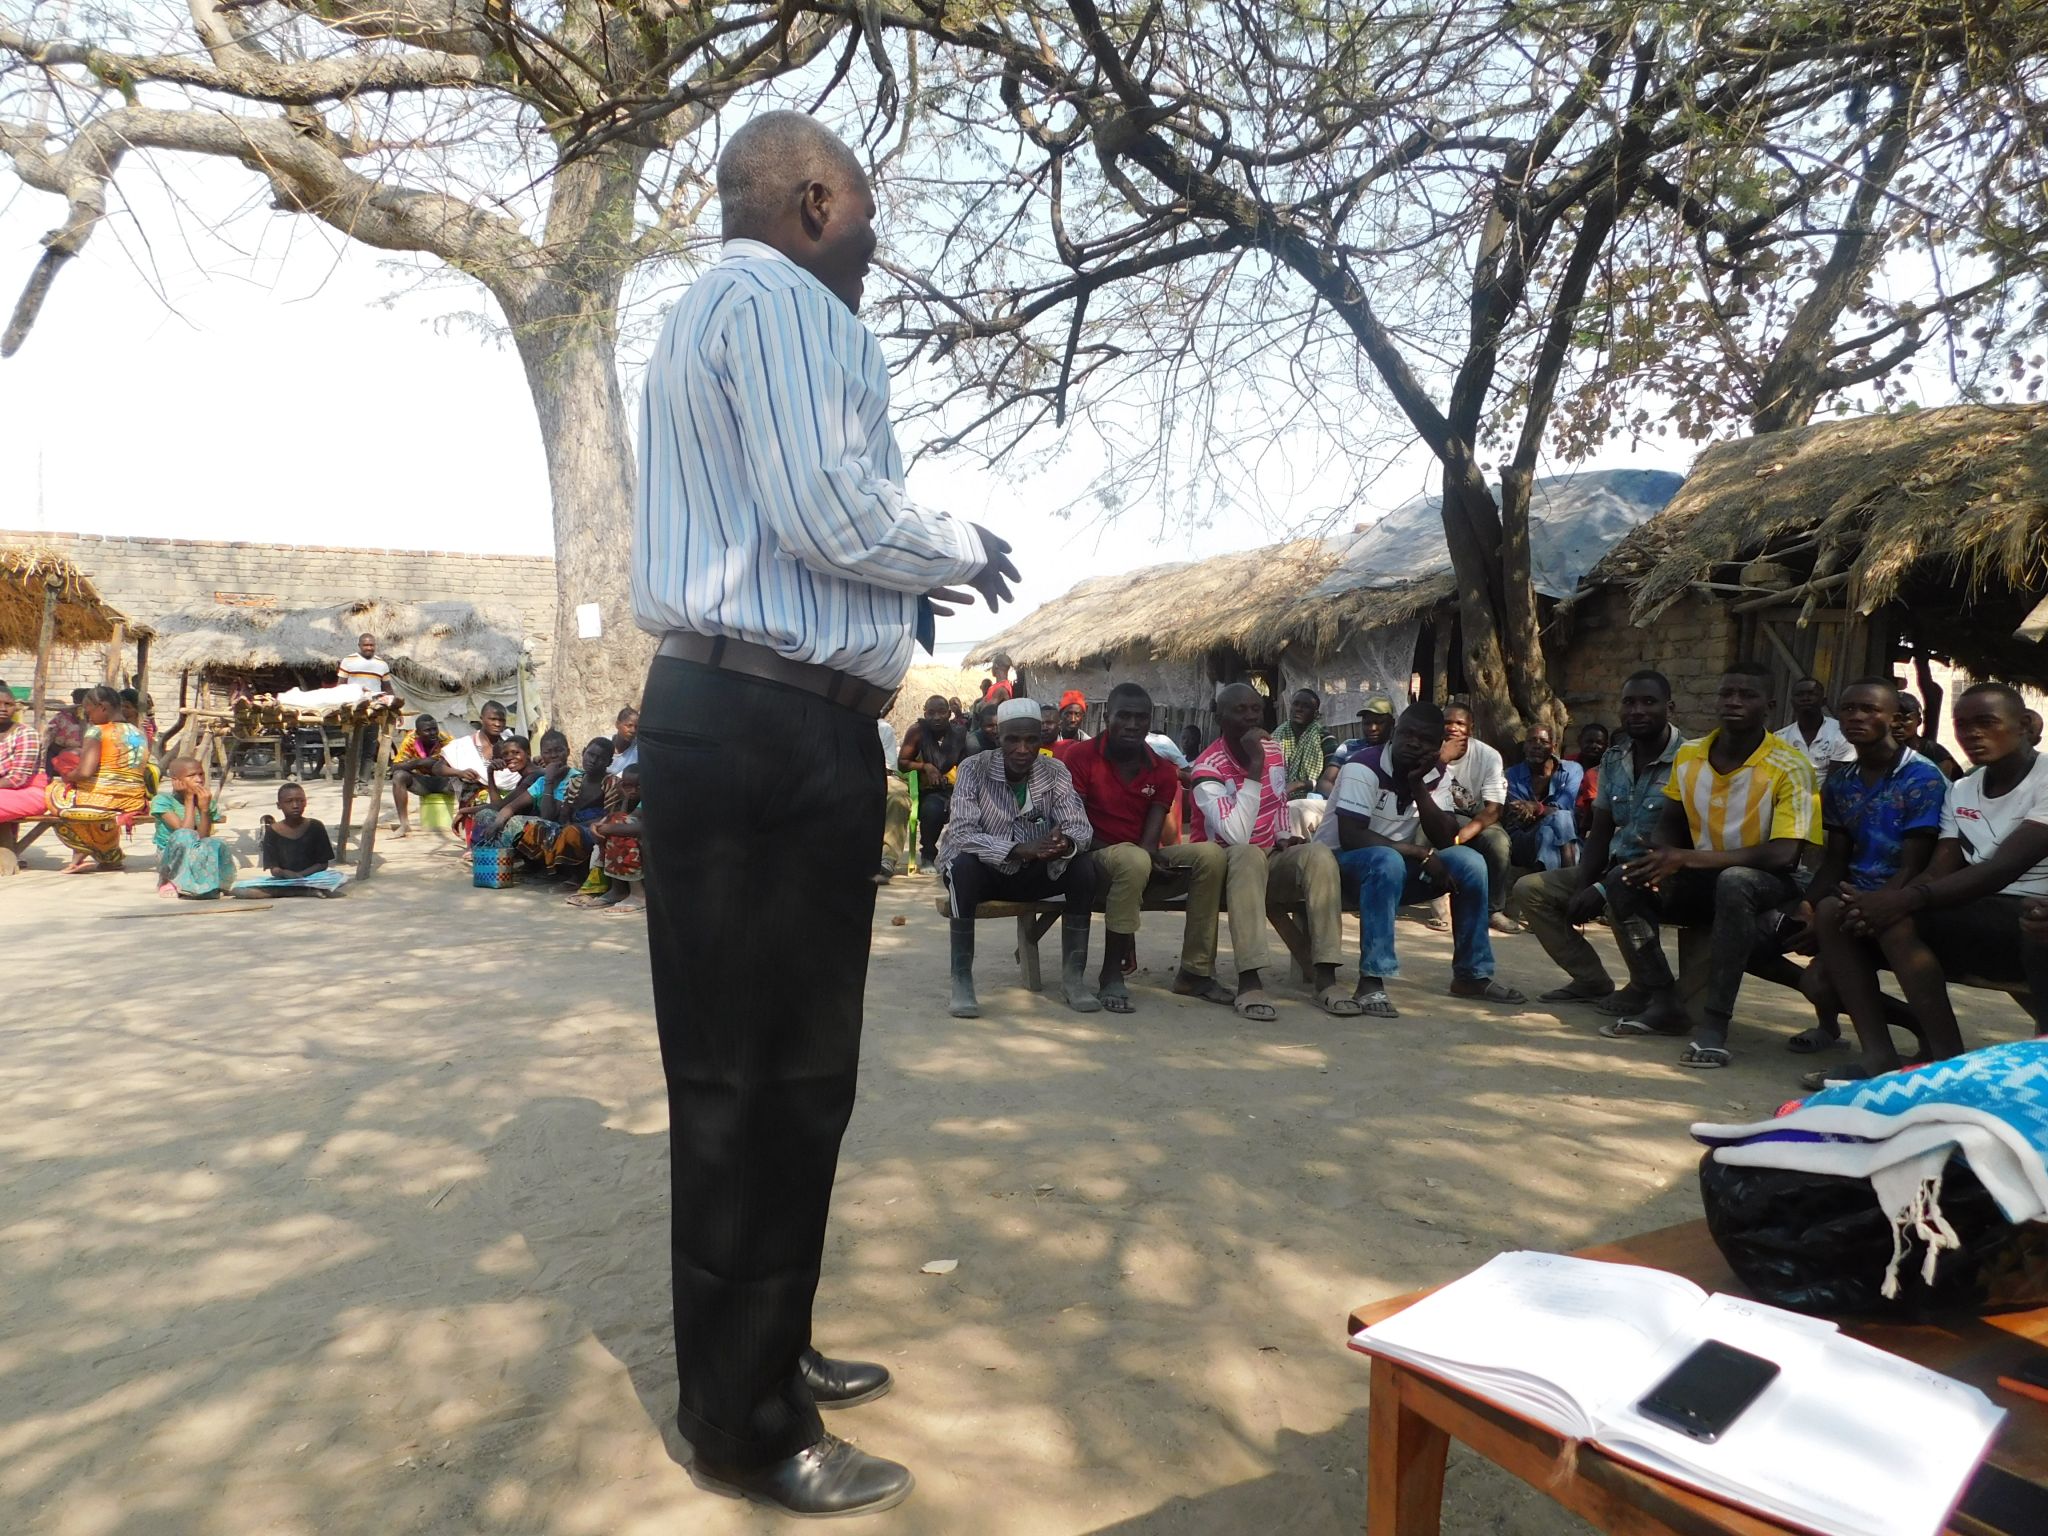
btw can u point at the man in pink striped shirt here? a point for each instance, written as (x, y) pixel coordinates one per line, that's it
(1239, 784)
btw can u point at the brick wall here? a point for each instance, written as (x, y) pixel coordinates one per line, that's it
(150, 579)
(1691, 643)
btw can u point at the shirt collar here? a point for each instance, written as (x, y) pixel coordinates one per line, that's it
(751, 250)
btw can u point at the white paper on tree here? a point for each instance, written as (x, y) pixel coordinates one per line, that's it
(589, 621)
(1847, 1441)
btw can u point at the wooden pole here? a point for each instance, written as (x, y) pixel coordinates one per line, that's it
(142, 669)
(349, 769)
(45, 638)
(115, 645)
(376, 797)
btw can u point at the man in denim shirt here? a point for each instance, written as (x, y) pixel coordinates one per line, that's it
(1630, 799)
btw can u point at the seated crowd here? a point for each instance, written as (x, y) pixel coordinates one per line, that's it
(1851, 838)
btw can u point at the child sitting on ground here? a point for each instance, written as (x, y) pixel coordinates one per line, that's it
(190, 860)
(296, 846)
(618, 851)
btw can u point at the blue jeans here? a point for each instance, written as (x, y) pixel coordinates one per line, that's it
(1380, 880)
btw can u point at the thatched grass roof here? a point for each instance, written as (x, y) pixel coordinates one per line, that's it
(1314, 594)
(83, 616)
(445, 646)
(1960, 492)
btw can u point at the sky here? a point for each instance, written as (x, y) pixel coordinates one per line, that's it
(209, 369)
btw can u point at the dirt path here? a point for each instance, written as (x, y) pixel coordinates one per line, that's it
(350, 1216)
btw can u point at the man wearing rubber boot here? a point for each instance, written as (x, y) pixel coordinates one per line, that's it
(776, 554)
(1019, 833)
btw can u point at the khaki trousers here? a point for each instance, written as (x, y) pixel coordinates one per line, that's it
(1304, 875)
(1197, 871)
(1539, 900)
(896, 824)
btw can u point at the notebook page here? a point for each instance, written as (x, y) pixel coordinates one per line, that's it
(1849, 1440)
(1584, 1328)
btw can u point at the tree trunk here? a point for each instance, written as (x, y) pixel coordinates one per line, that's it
(572, 371)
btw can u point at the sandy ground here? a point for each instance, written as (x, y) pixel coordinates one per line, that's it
(350, 1217)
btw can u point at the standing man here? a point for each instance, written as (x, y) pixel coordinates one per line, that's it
(366, 669)
(777, 555)
(1814, 731)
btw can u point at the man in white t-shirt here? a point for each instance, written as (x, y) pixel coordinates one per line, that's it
(1814, 731)
(1396, 842)
(1967, 915)
(366, 669)
(1473, 789)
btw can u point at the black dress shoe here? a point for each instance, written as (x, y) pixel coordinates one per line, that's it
(829, 1478)
(842, 1383)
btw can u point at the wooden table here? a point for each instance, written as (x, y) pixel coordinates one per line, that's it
(1415, 1417)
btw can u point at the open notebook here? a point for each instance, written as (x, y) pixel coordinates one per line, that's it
(1847, 1441)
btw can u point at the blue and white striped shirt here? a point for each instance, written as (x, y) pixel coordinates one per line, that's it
(771, 505)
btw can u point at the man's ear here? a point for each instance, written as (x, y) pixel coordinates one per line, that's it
(814, 209)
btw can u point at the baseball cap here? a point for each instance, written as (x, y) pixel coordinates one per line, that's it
(1376, 704)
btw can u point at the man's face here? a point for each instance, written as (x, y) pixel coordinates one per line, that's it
(1019, 744)
(1988, 728)
(1592, 743)
(1809, 698)
(494, 723)
(1867, 715)
(427, 734)
(936, 714)
(1414, 745)
(1303, 709)
(291, 799)
(985, 720)
(1905, 724)
(629, 727)
(594, 757)
(367, 646)
(842, 221)
(1240, 712)
(1645, 711)
(1130, 717)
(1744, 702)
(1539, 747)
(1071, 718)
(1457, 726)
(1375, 728)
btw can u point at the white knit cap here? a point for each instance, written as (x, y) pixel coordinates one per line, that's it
(1018, 709)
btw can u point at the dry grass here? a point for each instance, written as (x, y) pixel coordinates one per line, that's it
(448, 645)
(1960, 493)
(83, 616)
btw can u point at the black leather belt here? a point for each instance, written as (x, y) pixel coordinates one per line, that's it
(724, 654)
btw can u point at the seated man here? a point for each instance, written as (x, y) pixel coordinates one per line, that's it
(1739, 812)
(1627, 806)
(1127, 789)
(416, 767)
(932, 749)
(1306, 744)
(23, 784)
(1398, 844)
(1239, 786)
(1018, 832)
(1375, 729)
(1474, 789)
(1968, 913)
(1593, 744)
(477, 759)
(1073, 715)
(1542, 805)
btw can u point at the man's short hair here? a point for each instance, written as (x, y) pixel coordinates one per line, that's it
(937, 699)
(1126, 691)
(1808, 677)
(425, 720)
(178, 765)
(491, 704)
(1422, 712)
(2015, 702)
(1876, 682)
(1648, 675)
(768, 162)
(1759, 670)
(1306, 693)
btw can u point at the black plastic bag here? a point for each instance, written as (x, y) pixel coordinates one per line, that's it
(1817, 1242)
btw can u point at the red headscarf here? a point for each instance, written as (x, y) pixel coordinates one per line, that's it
(1073, 696)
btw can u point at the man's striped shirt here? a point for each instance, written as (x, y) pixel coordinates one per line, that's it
(771, 505)
(1770, 796)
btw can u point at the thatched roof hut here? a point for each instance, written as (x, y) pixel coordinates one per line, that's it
(1312, 595)
(447, 646)
(1941, 513)
(83, 616)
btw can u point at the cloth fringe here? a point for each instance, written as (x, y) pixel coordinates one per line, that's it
(1923, 1215)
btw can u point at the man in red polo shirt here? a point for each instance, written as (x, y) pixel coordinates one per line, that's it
(1127, 789)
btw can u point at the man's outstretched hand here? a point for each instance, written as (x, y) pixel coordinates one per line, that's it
(993, 580)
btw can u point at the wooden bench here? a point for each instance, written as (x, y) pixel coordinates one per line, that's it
(12, 842)
(1035, 920)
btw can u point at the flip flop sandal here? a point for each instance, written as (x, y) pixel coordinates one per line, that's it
(1117, 1002)
(1438, 924)
(1210, 991)
(1626, 1029)
(1377, 1005)
(1256, 1007)
(1619, 1003)
(1704, 1057)
(1811, 1042)
(1338, 1004)
(1494, 992)
(1572, 994)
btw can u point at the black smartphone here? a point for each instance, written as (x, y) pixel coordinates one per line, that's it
(1709, 1390)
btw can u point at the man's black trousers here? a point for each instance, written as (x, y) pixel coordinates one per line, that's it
(763, 809)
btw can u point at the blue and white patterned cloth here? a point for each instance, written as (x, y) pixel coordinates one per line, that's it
(1899, 1130)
